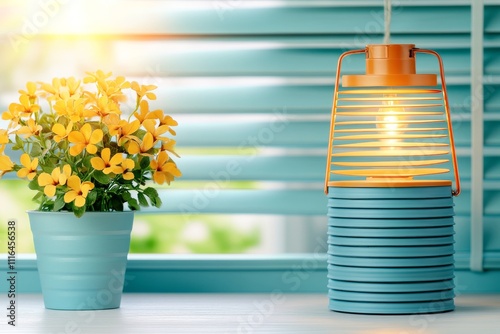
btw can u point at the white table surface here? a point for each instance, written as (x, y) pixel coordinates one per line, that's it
(248, 313)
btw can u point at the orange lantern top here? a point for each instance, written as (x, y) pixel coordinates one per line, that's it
(390, 65)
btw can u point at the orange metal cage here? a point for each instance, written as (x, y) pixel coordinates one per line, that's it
(386, 114)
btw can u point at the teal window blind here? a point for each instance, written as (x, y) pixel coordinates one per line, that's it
(251, 83)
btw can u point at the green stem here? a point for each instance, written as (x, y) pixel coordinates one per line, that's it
(137, 104)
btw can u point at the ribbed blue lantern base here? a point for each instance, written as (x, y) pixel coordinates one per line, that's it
(390, 250)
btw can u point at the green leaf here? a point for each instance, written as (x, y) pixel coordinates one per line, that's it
(37, 196)
(59, 203)
(79, 211)
(47, 205)
(33, 185)
(19, 141)
(47, 168)
(138, 174)
(144, 163)
(133, 205)
(48, 144)
(157, 202)
(126, 196)
(91, 198)
(36, 150)
(100, 177)
(87, 163)
(151, 192)
(142, 199)
(140, 133)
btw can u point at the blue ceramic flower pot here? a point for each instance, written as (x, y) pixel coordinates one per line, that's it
(81, 261)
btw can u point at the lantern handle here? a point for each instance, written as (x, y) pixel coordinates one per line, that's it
(332, 120)
(456, 191)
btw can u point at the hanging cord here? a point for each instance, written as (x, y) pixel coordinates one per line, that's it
(387, 21)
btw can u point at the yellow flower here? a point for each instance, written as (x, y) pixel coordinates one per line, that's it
(113, 89)
(12, 115)
(98, 76)
(71, 108)
(126, 169)
(103, 107)
(168, 145)
(6, 165)
(31, 91)
(109, 88)
(62, 88)
(143, 90)
(30, 129)
(146, 144)
(111, 121)
(4, 137)
(84, 139)
(125, 130)
(122, 129)
(29, 169)
(150, 126)
(51, 181)
(107, 164)
(167, 120)
(114, 124)
(61, 132)
(145, 114)
(26, 108)
(79, 191)
(164, 171)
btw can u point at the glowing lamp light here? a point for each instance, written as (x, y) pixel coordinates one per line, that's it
(390, 221)
(391, 124)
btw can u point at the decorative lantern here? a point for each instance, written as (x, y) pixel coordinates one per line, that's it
(390, 219)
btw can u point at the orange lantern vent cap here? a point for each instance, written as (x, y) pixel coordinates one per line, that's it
(390, 65)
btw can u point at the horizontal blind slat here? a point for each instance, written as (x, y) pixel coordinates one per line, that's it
(492, 19)
(212, 199)
(255, 58)
(167, 18)
(260, 95)
(281, 168)
(225, 168)
(275, 133)
(491, 232)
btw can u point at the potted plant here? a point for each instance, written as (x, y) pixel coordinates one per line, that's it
(89, 162)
